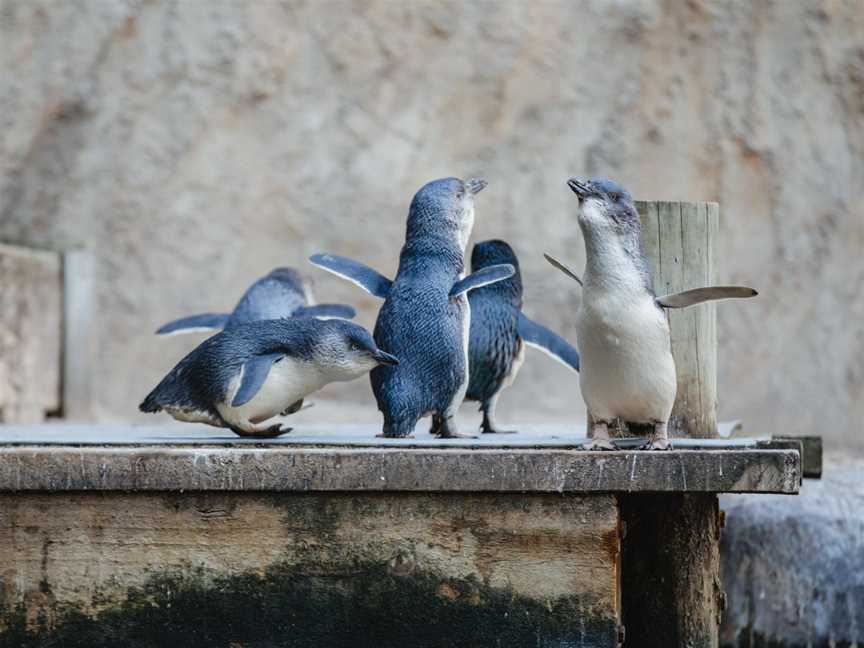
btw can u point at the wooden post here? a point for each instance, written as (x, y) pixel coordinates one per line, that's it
(30, 316)
(671, 553)
(78, 270)
(681, 244)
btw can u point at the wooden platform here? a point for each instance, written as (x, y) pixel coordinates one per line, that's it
(185, 535)
(539, 459)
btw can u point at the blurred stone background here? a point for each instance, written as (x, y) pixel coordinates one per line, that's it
(193, 145)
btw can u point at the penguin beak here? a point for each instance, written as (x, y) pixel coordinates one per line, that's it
(580, 189)
(384, 358)
(475, 185)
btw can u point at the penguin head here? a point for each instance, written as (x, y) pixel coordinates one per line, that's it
(445, 209)
(493, 252)
(605, 206)
(346, 351)
(300, 283)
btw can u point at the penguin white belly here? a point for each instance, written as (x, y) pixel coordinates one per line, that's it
(192, 416)
(288, 381)
(627, 369)
(466, 334)
(514, 367)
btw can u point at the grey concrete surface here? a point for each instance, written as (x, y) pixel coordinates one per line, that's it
(194, 145)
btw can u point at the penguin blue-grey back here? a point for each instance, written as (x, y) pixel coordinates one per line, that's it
(283, 292)
(246, 375)
(425, 317)
(500, 332)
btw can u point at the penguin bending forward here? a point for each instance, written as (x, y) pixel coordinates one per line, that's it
(622, 331)
(426, 318)
(500, 331)
(284, 292)
(249, 373)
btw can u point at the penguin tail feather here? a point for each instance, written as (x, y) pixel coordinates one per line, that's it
(150, 404)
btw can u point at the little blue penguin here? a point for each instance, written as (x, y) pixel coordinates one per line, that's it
(249, 373)
(284, 292)
(500, 332)
(622, 332)
(426, 318)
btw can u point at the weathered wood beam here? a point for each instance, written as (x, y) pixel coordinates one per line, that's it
(52, 468)
(671, 591)
(30, 324)
(78, 308)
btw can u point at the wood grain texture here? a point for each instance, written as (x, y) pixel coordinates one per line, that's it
(302, 570)
(671, 570)
(78, 308)
(334, 469)
(681, 245)
(30, 322)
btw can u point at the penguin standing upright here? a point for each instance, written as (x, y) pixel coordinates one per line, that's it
(500, 332)
(628, 371)
(425, 319)
(283, 292)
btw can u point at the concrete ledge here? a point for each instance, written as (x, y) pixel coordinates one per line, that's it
(318, 469)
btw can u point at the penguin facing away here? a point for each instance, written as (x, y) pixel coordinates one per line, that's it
(500, 332)
(425, 319)
(622, 332)
(283, 292)
(249, 373)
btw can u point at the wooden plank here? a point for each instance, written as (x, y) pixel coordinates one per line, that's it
(544, 435)
(341, 570)
(811, 453)
(30, 322)
(329, 469)
(78, 307)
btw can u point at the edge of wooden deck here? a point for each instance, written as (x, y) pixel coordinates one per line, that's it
(389, 469)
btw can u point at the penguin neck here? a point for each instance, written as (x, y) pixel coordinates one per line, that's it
(433, 249)
(616, 262)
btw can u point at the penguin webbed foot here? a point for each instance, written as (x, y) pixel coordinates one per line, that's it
(599, 444)
(491, 430)
(445, 428)
(293, 408)
(488, 425)
(659, 440)
(656, 444)
(263, 433)
(599, 437)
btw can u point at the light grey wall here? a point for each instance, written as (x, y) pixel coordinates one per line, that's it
(195, 144)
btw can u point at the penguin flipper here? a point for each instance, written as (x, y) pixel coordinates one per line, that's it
(539, 337)
(563, 268)
(368, 279)
(194, 323)
(483, 277)
(326, 311)
(699, 295)
(254, 373)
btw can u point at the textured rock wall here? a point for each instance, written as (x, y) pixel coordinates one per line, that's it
(194, 145)
(779, 597)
